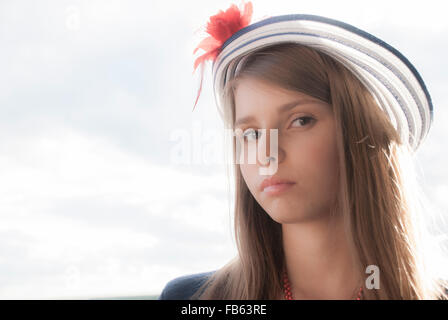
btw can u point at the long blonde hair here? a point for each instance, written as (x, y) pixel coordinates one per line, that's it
(378, 207)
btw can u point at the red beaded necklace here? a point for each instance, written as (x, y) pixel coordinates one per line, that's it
(288, 293)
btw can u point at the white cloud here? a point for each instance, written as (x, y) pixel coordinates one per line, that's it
(43, 172)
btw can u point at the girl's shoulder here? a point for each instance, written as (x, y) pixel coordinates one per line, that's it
(182, 288)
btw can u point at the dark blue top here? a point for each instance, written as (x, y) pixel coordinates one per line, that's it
(182, 288)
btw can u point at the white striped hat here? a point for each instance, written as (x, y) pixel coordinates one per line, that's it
(389, 76)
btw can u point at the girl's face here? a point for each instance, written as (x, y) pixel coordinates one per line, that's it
(306, 149)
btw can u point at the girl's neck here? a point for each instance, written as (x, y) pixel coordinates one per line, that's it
(319, 260)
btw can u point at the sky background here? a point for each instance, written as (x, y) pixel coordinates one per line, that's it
(95, 95)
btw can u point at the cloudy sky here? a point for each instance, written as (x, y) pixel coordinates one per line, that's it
(95, 97)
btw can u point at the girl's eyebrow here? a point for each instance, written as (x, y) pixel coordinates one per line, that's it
(282, 109)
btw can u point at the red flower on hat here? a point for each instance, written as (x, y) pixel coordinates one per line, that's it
(221, 27)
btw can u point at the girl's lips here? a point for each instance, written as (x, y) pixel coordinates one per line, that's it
(274, 180)
(276, 189)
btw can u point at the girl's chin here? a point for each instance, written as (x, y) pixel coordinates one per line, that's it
(292, 216)
(285, 217)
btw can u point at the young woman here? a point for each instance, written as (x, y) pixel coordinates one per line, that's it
(334, 115)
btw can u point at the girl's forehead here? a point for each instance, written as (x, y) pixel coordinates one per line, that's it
(255, 92)
(259, 98)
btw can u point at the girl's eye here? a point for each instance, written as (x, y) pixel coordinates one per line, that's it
(304, 120)
(249, 132)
